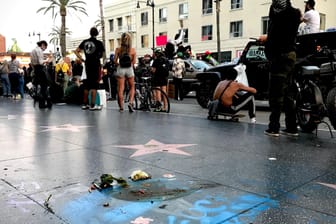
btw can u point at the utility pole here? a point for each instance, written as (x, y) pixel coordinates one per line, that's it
(218, 30)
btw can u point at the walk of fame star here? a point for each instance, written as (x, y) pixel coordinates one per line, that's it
(154, 146)
(8, 117)
(333, 186)
(65, 127)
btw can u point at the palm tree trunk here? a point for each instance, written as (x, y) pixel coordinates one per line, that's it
(63, 36)
(102, 24)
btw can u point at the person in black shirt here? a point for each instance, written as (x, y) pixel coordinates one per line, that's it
(93, 50)
(160, 71)
(284, 21)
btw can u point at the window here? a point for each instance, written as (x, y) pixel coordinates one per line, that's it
(322, 21)
(111, 21)
(206, 32)
(206, 6)
(236, 4)
(256, 53)
(264, 24)
(120, 24)
(183, 11)
(144, 18)
(111, 43)
(163, 15)
(144, 41)
(185, 40)
(129, 23)
(236, 29)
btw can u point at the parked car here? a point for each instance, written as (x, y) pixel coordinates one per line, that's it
(257, 66)
(193, 67)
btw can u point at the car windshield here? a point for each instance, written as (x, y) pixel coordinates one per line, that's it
(256, 52)
(200, 65)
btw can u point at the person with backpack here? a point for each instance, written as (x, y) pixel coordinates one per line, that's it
(160, 71)
(124, 59)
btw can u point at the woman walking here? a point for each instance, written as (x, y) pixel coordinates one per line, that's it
(125, 58)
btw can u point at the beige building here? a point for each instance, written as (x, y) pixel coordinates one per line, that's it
(239, 20)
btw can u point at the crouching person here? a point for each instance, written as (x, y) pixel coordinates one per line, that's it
(231, 96)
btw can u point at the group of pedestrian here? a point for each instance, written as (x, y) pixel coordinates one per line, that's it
(12, 78)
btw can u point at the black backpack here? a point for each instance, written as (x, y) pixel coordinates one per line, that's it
(166, 66)
(125, 60)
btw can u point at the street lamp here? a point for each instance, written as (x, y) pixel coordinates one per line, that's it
(33, 34)
(151, 4)
(218, 30)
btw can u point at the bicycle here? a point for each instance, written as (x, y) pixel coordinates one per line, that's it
(316, 90)
(145, 99)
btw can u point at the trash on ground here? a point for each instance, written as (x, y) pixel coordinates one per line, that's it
(139, 175)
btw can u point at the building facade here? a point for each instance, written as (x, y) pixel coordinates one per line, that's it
(2, 44)
(234, 21)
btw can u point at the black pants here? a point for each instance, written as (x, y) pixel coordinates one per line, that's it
(178, 84)
(281, 92)
(242, 100)
(42, 80)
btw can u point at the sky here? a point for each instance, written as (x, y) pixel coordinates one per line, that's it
(19, 19)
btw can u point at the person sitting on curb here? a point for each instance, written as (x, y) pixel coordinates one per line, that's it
(232, 96)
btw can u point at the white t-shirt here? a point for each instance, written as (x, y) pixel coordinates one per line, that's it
(312, 21)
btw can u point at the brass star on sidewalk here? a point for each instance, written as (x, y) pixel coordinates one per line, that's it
(64, 127)
(154, 146)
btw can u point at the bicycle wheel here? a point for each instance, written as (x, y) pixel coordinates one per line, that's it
(163, 103)
(306, 109)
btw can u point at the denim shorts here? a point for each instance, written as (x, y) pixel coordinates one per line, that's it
(124, 72)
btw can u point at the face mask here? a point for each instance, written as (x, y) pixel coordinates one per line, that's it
(279, 5)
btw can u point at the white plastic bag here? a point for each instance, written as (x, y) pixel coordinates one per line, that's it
(83, 77)
(241, 77)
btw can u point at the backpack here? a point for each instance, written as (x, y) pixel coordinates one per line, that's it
(166, 66)
(125, 60)
(60, 75)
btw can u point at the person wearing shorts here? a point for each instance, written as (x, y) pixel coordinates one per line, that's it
(93, 50)
(125, 71)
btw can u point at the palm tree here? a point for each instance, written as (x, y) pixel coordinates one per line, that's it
(102, 23)
(56, 35)
(60, 7)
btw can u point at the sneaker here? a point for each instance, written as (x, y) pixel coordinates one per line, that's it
(272, 133)
(287, 132)
(85, 107)
(253, 120)
(95, 107)
(130, 108)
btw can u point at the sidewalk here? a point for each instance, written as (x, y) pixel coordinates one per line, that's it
(201, 171)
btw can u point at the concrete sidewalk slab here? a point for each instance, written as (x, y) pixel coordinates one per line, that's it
(202, 171)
